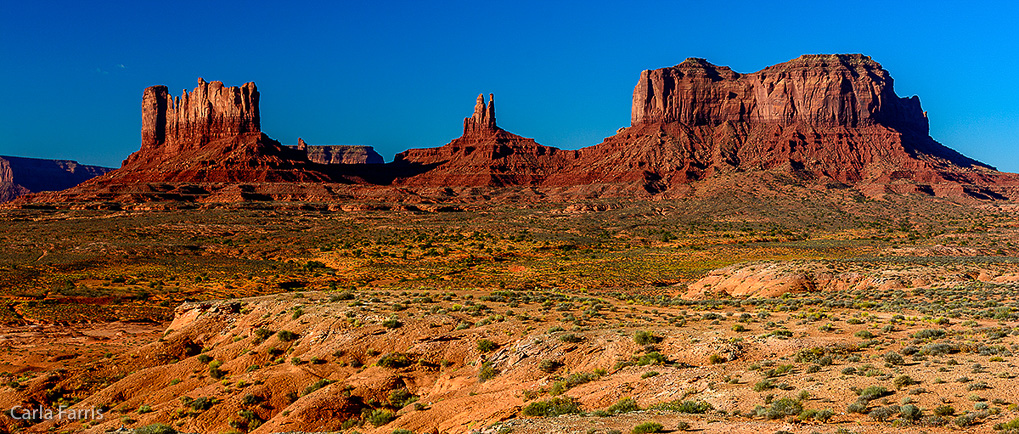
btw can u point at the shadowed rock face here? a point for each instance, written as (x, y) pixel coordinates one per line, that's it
(19, 176)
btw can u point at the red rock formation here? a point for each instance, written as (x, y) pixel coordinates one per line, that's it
(172, 126)
(211, 135)
(818, 117)
(484, 156)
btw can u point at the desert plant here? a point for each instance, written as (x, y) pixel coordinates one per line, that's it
(693, 407)
(487, 372)
(156, 428)
(644, 337)
(910, 412)
(624, 405)
(379, 417)
(395, 360)
(286, 335)
(552, 407)
(549, 366)
(647, 427)
(486, 346)
(904, 381)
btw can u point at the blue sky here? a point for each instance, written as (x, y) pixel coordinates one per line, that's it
(399, 75)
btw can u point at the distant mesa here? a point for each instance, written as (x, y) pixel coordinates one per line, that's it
(339, 154)
(695, 128)
(20, 176)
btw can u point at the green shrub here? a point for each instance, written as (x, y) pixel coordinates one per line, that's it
(552, 407)
(652, 358)
(944, 410)
(624, 405)
(214, 370)
(380, 417)
(156, 428)
(647, 427)
(395, 360)
(575, 379)
(1011, 426)
(250, 399)
(864, 334)
(904, 381)
(204, 359)
(317, 385)
(910, 412)
(881, 414)
(262, 334)
(400, 398)
(781, 408)
(486, 346)
(392, 323)
(402, 431)
(693, 407)
(487, 372)
(549, 366)
(894, 358)
(929, 334)
(873, 392)
(644, 337)
(286, 335)
(763, 385)
(570, 338)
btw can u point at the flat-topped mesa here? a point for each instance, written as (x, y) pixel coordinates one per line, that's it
(482, 122)
(848, 90)
(211, 111)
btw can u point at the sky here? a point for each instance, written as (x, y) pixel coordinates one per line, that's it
(400, 75)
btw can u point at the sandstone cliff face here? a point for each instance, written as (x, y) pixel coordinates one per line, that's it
(817, 90)
(484, 156)
(20, 176)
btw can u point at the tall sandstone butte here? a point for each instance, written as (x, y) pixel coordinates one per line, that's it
(212, 134)
(172, 126)
(817, 117)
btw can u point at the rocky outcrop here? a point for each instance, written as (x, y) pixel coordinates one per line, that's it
(20, 176)
(339, 154)
(484, 156)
